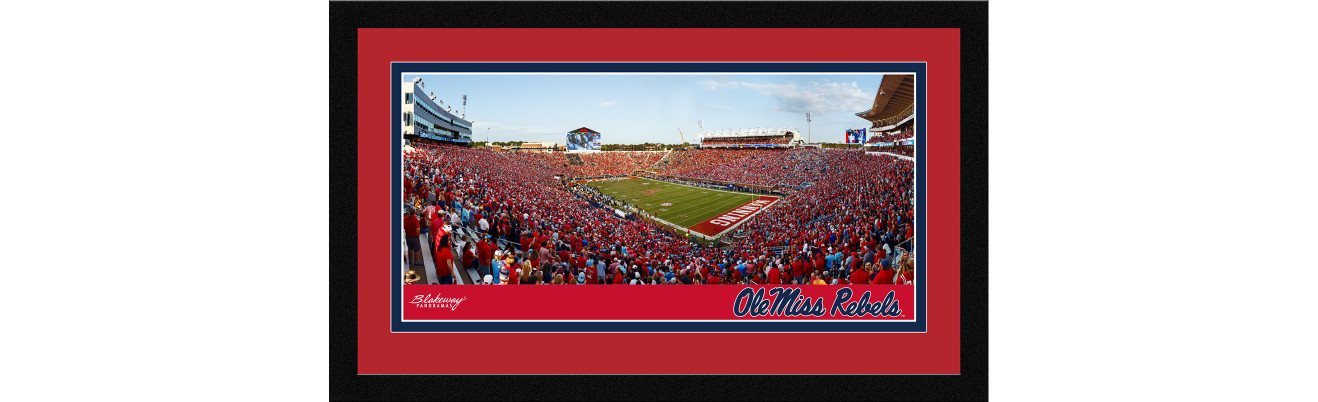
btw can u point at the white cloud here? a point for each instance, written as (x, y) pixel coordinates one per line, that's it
(718, 106)
(814, 96)
(608, 103)
(769, 88)
(820, 97)
(716, 85)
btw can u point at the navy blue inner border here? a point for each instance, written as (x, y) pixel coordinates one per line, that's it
(397, 69)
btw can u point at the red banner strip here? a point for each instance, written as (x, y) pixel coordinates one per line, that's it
(644, 302)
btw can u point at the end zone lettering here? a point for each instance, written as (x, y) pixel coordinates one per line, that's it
(788, 302)
(735, 215)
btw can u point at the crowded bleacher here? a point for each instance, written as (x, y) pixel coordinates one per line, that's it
(595, 164)
(899, 150)
(505, 216)
(761, 167)
(892, 137)
(749, 136)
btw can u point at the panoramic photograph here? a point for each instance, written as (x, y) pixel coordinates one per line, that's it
(658, 179)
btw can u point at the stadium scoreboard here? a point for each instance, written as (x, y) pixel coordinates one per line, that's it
(583, 139)
(856, 136)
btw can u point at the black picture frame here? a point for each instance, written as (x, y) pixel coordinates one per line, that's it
(970, 17)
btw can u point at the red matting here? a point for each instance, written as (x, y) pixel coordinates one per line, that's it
(935, 352)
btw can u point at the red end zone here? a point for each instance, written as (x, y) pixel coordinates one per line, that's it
(728, 220)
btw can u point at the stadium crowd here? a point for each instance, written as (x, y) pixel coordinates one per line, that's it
(682, 162)
(767, 167)
(906, 150)
(850, 226)
(892, 137)
(599, 164)
(857, 213)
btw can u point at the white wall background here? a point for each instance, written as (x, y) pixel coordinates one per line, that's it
(1176, 267)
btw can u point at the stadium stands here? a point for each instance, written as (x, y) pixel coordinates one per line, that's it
(893, 137)
(899, 150)
(600, 164)
(857, 209)
(761, 167)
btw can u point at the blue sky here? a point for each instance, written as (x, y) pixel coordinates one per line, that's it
(632, 109)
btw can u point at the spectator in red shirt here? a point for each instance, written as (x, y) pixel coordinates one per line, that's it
(444, 266)
(469, 257)
(412, 228)
(884, 276)
(775, 277)
(860, 276)
(436, 222)
(798, 271)
(484, 255)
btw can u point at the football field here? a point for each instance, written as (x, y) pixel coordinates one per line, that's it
(689, 207)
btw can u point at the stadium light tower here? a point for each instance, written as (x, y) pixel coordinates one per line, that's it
(808, 137)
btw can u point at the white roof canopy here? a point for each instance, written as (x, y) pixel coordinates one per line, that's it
(748, 132)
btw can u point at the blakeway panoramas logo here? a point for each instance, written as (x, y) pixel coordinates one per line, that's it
(428, 301)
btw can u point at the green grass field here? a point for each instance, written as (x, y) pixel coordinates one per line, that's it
(690, 205)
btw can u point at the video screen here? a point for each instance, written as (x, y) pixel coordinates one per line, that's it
(583, 140)
(856, 136)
